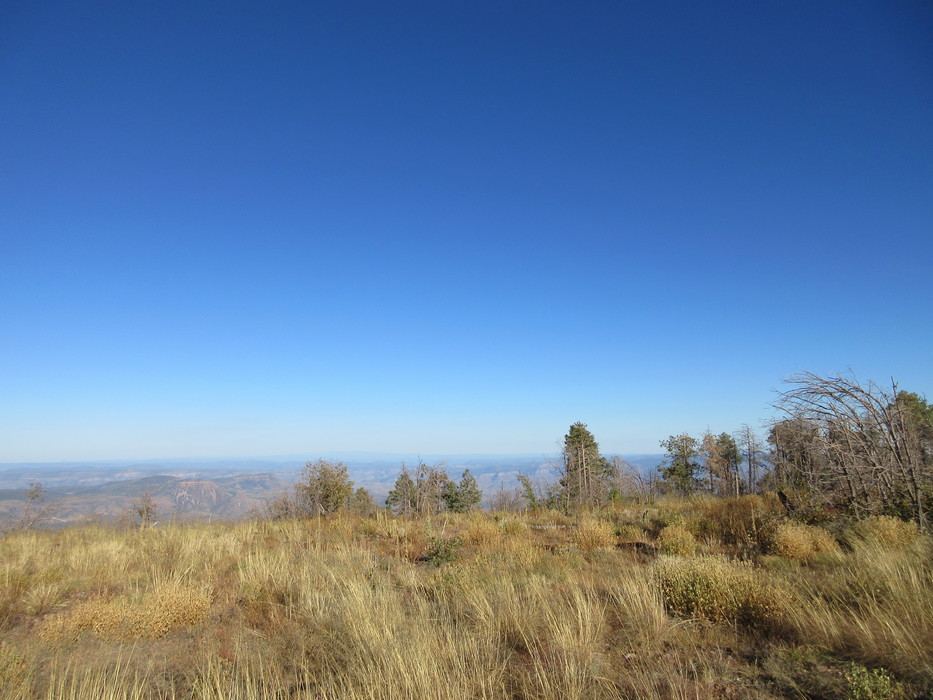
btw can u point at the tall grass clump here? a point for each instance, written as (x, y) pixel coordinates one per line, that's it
(886, 531)
(742, 523)
(593, 534)
(875, 607)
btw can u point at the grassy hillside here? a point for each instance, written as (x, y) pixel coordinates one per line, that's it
(699, 598)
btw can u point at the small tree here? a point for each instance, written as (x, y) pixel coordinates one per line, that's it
(528, 491)
(712, 460)
(752, 450)
(431, 483)
(629, 482)
(145, 510)
(464, 496)
(404, 496)
(362, 503)
(324, 488)
(36, 509)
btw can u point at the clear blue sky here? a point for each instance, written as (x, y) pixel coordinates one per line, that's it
(260, 228)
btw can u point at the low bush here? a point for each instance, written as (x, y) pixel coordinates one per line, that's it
(677, 540)
(802, 542)
(876, 684)
(443, 550)
(717, 589)
(168, 607)
(630, 533)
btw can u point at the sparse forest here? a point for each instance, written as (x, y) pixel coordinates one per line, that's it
(799, 565)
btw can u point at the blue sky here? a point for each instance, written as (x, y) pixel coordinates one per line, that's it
(254, 229)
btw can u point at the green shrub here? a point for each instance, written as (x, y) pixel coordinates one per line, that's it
(443, 551)
(871, 685)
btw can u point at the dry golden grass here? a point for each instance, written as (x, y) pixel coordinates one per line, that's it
(482, 531)
(536, 606)
(168, 607)
(592, 534)
(876, 605)
(886, 531)
(628, 532)
(803, 542)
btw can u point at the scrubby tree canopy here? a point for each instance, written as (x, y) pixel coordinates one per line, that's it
(324, 488)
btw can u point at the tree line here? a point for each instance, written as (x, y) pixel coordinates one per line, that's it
(324, 487)
(838, 444)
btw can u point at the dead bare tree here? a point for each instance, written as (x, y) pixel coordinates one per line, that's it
(629, 482)
(854, 444)
(36, 511)
(751, 451)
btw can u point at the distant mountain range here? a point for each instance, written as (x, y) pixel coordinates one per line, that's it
(174, 497)
(234, 488)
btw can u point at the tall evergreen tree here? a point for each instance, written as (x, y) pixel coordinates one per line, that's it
(679, 472)
(585, 474)
(730, 459)
(721, 459)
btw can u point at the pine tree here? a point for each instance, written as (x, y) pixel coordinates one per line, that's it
(362, 503)
(730, 461)
(680, 470)
(585, 474)
(403, 497)
(464, 496)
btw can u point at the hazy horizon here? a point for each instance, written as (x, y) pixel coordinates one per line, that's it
(312, 455)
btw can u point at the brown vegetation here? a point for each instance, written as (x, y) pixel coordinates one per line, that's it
(736, 602)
